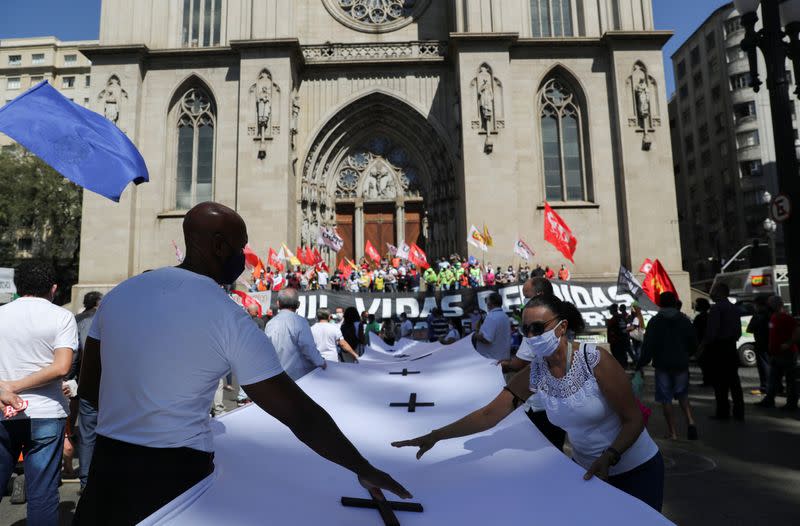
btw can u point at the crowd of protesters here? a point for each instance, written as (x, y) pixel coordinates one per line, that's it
(668, 341)
(396, 275)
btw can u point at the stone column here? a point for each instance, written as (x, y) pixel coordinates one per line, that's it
(400, 221)
(358, 231)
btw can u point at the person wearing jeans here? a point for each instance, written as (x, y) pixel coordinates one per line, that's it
(87, 424)
(41, 441)
(38, 340)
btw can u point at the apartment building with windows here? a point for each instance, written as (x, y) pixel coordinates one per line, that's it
(722, 144)
(24, 62)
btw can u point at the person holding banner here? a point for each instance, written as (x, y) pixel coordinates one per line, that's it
(585, 392)
(151, 370)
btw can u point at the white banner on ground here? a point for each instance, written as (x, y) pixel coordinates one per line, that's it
(507, 475)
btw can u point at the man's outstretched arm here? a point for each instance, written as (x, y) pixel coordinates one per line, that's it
(282, 398)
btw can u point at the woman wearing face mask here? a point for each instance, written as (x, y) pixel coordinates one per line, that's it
(585, 392)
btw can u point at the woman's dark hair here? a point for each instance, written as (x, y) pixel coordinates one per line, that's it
(351, 315)
(563, 310)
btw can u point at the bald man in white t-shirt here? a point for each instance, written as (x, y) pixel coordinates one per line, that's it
(159, 344)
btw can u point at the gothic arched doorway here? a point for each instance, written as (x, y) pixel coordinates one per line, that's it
(380, 172)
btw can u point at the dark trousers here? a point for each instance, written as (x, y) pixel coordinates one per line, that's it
(784, 365)
(551, 432)
(724, 367)
(620, 352)
(128, 483)
(645, 482)
(762, 363)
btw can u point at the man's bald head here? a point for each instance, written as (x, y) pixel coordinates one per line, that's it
(252, 310)
(213, 234)
(537, 286)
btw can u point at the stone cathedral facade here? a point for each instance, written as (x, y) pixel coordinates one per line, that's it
(392, 120)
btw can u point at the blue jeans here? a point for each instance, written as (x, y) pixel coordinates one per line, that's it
(87, 425)
(41, 440)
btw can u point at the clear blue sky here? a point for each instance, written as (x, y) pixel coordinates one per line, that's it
(683, 17)
(80, 19)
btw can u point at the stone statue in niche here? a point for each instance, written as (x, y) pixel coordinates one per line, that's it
(379, 184)
(305, 232)
(265, 99)
(488, 117)
(112, 98)
(644, 110)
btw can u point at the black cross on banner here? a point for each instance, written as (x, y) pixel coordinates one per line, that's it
(412, 403)
(385, 507)
(405, 372)
(420, 357)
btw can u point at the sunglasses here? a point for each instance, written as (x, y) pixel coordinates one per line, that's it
(535, 328)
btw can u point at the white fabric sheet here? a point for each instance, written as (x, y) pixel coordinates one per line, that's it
(507, 475)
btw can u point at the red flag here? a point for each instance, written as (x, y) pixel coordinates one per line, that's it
(274, 261)
(318, 256)
(371, 253)
(278, 281)
(247, 300)
(558, 234)
(656, 282)
(250, 257)
(343, 267)
(646, 267)
(259, 268)
(310, 259)
(417, 256)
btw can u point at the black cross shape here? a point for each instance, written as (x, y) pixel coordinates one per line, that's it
(412, 403)
(420, 357)
(405, 372)
(385, 507)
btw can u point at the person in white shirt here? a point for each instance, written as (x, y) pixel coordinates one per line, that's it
(322, 279)
(37, 343)
(406, 326)
(159, 344)
(493, 339)
(291, 336)
(452, 335)
(586, 392)
(534, 407)
(327, 336)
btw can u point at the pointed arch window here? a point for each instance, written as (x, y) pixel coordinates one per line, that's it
(196, 123)
(563, 143)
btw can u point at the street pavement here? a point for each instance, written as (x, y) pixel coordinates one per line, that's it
(735, 474)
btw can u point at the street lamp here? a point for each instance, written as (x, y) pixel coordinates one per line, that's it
(770, 39)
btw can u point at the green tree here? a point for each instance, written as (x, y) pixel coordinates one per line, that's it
(39, 204)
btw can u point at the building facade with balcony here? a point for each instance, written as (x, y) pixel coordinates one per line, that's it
(24, 62)
(723, 146)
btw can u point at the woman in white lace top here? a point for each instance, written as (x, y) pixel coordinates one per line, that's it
(585, 392)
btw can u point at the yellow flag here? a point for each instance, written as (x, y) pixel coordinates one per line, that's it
(487, 237)
(291, 257)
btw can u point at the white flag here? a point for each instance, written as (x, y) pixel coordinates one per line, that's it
(330, 238)
(282, 254)
(403, 251)
(476, 239)
(178, 254)
(522, 249)
(391, 249)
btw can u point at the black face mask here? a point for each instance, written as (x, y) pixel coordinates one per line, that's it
(233, 268)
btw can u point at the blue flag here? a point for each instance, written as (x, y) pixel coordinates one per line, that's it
(81, 145)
